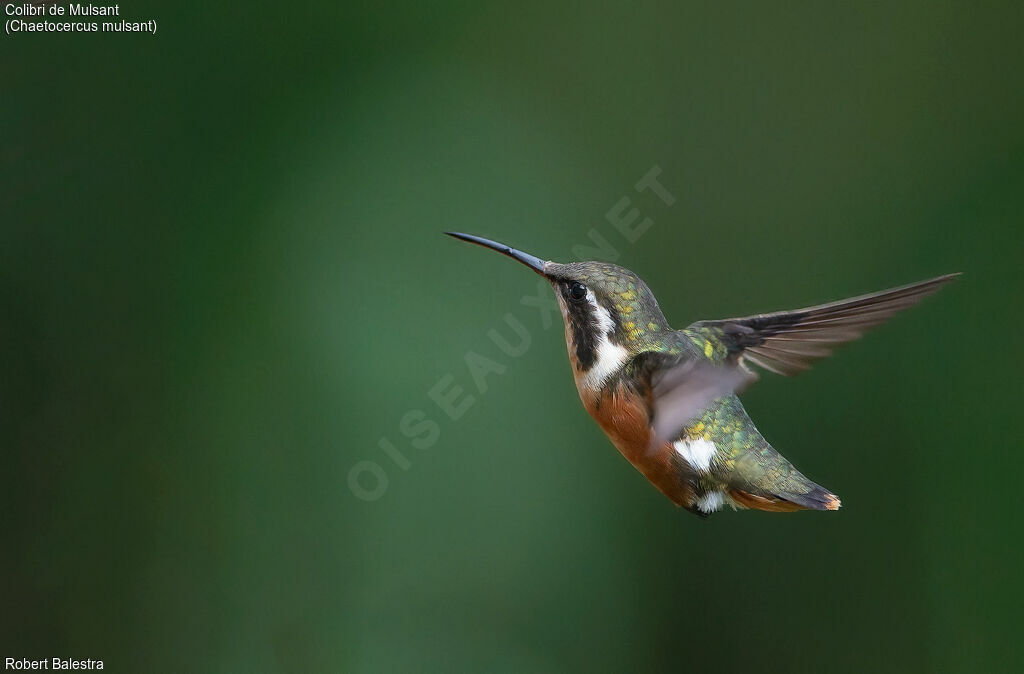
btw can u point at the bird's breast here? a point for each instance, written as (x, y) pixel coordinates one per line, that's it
(625, 417)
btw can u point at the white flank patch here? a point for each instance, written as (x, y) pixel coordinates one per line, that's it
(710, 502)
(610, 357)
(698, 453)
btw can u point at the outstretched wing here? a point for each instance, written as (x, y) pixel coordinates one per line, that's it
(788, 342)
(679, 389)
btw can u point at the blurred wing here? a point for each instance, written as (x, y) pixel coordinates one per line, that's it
(788, 342)
(680, 389)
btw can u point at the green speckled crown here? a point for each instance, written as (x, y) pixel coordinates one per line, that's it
(634, 310)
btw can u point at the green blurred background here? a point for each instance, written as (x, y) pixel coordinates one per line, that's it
(223, 282)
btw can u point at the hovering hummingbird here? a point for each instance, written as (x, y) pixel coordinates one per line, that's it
(667, 398)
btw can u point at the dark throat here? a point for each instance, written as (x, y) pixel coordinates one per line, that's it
(586, 332)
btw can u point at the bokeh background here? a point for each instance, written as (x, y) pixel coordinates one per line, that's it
(223, 282)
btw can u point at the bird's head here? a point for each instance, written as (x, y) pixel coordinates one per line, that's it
(608, 311)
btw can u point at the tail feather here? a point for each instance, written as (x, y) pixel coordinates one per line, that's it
(818, 498)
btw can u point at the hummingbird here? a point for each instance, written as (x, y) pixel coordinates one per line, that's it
(667, 399)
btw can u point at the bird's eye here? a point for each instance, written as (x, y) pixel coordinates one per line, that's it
(577, 291)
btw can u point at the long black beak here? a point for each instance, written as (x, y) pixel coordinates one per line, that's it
(534, 263)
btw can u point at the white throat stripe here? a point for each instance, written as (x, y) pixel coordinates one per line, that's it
(610, 357)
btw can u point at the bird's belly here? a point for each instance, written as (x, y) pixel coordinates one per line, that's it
(624, 417)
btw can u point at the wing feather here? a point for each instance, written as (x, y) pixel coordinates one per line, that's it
(679, 388)
(787, 342)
